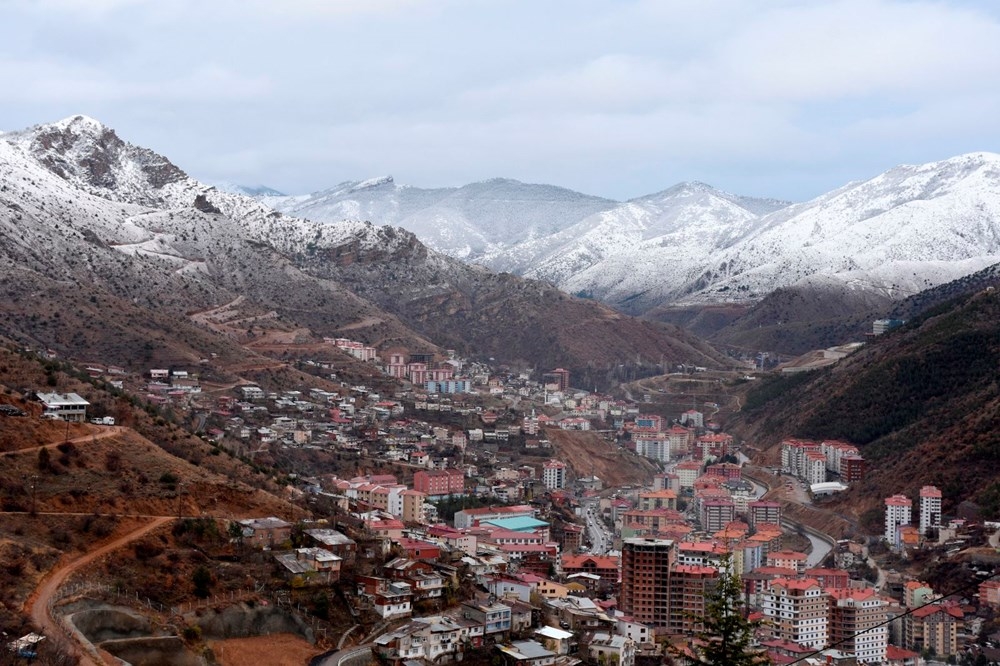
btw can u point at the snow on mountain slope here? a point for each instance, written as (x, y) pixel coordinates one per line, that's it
(91, 157)
(462, 222)
(638, 250)
(906, 229)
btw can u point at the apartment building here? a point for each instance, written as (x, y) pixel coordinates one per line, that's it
(796, 610)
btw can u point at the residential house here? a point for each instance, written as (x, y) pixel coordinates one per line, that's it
(266, 532)
(555, 640)
(495, 618)
(526, 653)
(334, 542)
(389, 599)
(309, 566)
(424, 580)
(612, 649)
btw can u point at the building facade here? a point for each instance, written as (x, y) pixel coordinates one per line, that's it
(645, 592)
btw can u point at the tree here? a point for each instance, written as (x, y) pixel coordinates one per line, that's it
(202, 579)
(727, 635)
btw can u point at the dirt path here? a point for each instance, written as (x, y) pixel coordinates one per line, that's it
(38, 604)
(105, 432)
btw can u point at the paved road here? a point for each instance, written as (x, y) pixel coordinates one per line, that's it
(39, 604)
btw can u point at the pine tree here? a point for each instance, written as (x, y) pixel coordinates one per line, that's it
(727, 635)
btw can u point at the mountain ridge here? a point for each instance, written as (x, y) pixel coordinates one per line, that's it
(79, 207)
(693, 244)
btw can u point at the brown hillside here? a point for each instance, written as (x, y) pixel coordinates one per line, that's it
(589, 453)
(922, 403)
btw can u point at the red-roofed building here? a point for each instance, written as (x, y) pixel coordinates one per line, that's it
(788, 559)
(829, 579)
(858, 623)
(608, 567)
(796, 610)
(439, 482)
(725, 470)
(934, 628)
(420, 550)
(897, 656)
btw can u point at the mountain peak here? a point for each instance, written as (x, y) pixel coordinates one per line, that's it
(79, 122)
(92, 156)
(372, 183)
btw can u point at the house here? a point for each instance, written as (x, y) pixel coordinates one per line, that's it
(68, 407)
(434, 639)
(335, 542)
(526, 653)
(389, 599)
(612, 649)
(420, 550)
(425, 582)
(266, 532)
(508, 587)
(495, 618)
(309, 566)
(251, 392)
(555, 640)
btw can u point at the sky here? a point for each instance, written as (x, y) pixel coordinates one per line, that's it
(617, 98)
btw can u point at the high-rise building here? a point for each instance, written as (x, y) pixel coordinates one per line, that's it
(930, 508)
(858, 623)
(796, 610)
(689, 585)
(554, 474)
(898, 509)
(645, 590)
(764, 511)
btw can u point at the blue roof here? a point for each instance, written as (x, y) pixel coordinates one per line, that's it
(518, 524)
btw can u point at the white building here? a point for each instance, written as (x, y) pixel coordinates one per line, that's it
(68, 407)
(554, 475)
(930, 508)
(898, 510)
(797, 611)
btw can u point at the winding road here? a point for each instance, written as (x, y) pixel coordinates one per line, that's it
(39, 605)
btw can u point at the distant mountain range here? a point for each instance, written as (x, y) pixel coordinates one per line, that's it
(908, 229)
(108, 250)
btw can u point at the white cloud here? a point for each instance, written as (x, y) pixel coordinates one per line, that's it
(616, 96)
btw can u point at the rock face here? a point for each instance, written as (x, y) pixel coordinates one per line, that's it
(242, 621)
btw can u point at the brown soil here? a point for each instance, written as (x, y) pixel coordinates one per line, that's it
(39, 606)
(589, 453)
(274, 650)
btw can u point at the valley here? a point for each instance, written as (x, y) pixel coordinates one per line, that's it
(221, 422)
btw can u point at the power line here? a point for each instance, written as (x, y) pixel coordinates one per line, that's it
(973, 585)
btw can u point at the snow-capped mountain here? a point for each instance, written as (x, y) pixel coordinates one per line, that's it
(908, 229)
(905, 230)
(634, 254)
(463, 222)
(104, 235)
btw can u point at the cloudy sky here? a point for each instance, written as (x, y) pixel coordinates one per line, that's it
(612, 97)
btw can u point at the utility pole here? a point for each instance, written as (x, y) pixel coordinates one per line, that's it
(32, 480)
(180, 490)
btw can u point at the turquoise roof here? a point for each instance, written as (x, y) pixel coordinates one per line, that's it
(518, 524)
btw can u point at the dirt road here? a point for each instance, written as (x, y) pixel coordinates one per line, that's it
(103, 433)
(38, 604)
